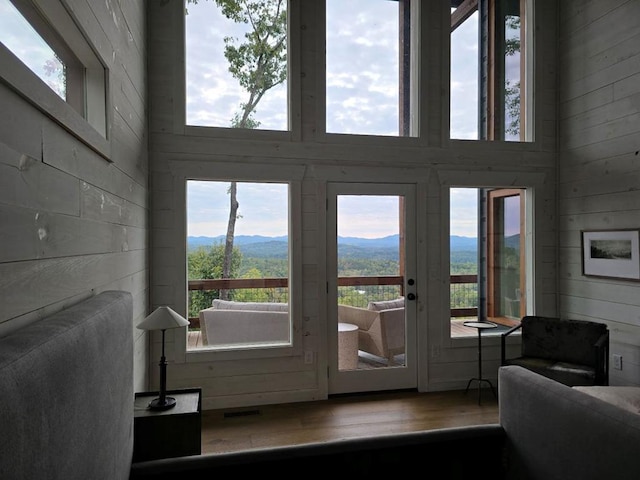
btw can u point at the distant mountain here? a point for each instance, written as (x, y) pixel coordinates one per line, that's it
(458, 243)
(354, 247)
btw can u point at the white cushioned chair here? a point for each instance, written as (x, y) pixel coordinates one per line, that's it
(380, 327)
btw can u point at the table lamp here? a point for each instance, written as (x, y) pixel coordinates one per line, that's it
(163, 318)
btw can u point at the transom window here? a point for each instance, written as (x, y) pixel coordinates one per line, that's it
(45, 57)
(491, 98)
(236, 64)
(368, 62)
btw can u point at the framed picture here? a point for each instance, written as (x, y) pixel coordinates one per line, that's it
(611, 253)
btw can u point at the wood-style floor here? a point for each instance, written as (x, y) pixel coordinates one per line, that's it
(344, 417)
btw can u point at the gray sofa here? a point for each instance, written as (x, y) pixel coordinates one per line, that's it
(67, 413)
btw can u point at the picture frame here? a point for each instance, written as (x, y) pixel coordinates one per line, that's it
(611, 253)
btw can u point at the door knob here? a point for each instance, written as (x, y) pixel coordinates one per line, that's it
(411, 296)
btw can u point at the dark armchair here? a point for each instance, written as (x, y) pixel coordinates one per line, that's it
(572, 352)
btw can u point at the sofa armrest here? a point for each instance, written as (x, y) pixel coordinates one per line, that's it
(503, 343)
(392, 323)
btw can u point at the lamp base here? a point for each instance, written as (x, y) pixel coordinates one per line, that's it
(169, 402)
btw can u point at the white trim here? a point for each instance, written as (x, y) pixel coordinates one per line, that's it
(90, 126)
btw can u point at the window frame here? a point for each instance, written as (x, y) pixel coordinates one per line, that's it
(528, 183)
(86, 115)
(491, 95)
(294, 132)
(291, 175)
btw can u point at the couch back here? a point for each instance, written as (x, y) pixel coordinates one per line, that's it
(66, 408)
(564, 340)
(229, 323)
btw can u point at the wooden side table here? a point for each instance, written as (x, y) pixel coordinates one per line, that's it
(167, 433)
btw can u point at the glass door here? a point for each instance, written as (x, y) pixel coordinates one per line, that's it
(371, 287)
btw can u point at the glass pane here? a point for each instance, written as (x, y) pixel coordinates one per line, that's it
(236, 77)
(464, 79)
(25, 43)
(370, 274)
(512, 61)
(463, 265)
(256, 272)
(508, 260)
(367, 89)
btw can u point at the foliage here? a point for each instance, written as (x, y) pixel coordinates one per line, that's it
(512, 91)
(204, 263)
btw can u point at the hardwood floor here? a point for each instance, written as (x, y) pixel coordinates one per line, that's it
(343, 417)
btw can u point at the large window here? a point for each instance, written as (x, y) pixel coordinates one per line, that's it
(45, 57)
(236, 64)
(238, 265)
(368, 62)
(487, 256)
(491, 97)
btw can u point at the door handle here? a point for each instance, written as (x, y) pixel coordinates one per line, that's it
(411, 296)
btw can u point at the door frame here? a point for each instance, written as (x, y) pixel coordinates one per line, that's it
(376, 379)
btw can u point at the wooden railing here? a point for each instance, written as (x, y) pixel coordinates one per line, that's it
(235, 283)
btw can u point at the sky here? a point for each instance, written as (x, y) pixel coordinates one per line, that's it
(20, 37)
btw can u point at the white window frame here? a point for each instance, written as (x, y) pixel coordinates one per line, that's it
(291, 175)
(294, 132)
(91, 124)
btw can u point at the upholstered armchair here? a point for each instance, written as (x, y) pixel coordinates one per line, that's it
(572, 352)
(380, 327)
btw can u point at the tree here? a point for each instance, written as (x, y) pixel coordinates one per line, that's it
(512, 91)
(206, 262)
(259, 63)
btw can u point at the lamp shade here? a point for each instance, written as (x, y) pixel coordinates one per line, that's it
(163, 318)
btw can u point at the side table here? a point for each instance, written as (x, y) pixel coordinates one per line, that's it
(347, 346)
(167, 433)
(480, 326)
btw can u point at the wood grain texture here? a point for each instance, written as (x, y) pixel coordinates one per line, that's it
(342, 417)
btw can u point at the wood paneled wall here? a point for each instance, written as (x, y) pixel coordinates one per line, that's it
(599, 162)
(432, 162)
(73, 223)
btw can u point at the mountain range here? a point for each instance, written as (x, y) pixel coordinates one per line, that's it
(257, 245)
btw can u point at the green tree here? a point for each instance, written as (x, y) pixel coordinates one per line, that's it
(203, 263)
(258, 63)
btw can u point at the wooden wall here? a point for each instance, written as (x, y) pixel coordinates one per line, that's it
(74, 224)
(432, 162)
(599, 162)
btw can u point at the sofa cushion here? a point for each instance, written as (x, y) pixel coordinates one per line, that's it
(386, 304)
(563, 372)
(257, 306)
(623, 397)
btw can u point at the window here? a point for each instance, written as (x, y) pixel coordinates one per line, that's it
(254, 276)
(488, 264)
(368, 67)
(491, 37)
(55, 68)
(236, 64)
(505, 254)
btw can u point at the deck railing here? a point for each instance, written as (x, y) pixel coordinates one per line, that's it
(357, 291)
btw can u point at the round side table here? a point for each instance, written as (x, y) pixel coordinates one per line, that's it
(480, 326)
(347, 346)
